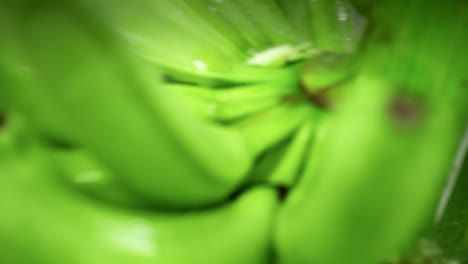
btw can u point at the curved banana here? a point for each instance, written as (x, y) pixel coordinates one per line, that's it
(267, 15)
(263, 130)
(376, 173)
(163, 42)
(73, 87)
(227, 104)
(72, 228)
(178, 105)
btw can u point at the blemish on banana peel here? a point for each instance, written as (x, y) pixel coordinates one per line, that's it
(406, 111)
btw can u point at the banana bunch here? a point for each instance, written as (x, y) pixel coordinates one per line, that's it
(226, 131)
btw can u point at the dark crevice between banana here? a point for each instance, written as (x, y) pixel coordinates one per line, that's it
(324, 98)
(174, 80)
(263, 168)
(266, 161)
(222, 85)
(304, 161)
(323, 78)
(57, 143)
(169, 79)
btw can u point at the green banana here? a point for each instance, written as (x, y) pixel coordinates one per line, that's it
(192, 17)
(356, 202)
(237, 102)
(267, 15)
(168, 133)
(263, 130)
(16, 74)
(63, 221)
(117, 109)
(144, 28)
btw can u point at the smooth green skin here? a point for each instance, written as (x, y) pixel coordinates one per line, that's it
(80, 170)
(83, 172)
(297, 13)
(56, 225)
(167, 132)
(356, 202)
(245, 24)
(262, 131)
(160, 30)
(268, 16)
(205, 13)
(332, 26)
(237, 102)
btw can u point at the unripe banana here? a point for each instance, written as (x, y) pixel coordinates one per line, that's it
(268, 16)
(262, 131)
(75, 229)
(163, 41)
(376, 173)
(227, 104)
(168, 134)
(148, 126)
